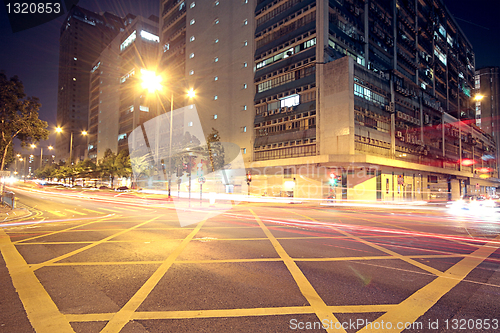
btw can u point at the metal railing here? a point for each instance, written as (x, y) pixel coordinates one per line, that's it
(9, 199)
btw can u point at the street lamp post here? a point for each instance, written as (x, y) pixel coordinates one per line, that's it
(152, 83)
(41, 153)
(59, 130)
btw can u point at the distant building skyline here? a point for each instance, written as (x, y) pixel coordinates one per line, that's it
(84, 35)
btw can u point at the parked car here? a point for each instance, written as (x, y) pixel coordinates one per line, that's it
(122, 189)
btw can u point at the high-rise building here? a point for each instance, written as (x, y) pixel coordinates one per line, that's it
(84, 35)
(118, 101)
(352, 99)
(138, 55)
(208, 46)
(378, 91)
(487, 85)
(104, 102)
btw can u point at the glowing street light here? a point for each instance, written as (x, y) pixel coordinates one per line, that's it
(60, 130)
(41, 153)
(150, 80)
(478, 97)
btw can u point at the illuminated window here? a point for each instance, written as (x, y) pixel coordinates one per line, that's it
(245, 22)
(216, 97)
(216, 3)
(192, 5)
(149, 36)
(192, 22)
(190, 123)
(216, 40)
(216, 59)
(245, 86)
(290, 101)
(245, 43)
(191, 39)
(216, 21)
(191, 72)
(144, 108)
(191, 56)
(216, 78)
(245, 64)
(215, 116)
(128, 41)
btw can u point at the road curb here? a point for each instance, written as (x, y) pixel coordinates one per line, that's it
(8, 217)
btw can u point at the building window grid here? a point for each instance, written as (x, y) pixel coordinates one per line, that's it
(369, 95)
(283, 79)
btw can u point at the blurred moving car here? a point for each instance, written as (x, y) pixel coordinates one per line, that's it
(475, 205)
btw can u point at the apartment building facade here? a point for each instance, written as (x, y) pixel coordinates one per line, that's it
(487, 85)
(376, 94)
(207, 46)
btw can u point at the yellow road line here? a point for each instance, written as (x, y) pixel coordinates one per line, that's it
(74, 212)
(228, 261)
(56, 213)
(248, 312)
(383, 249)
(320, 308)
(59, 231)
(126, 313)
(67, 255)
(422, 300)
(42, 312)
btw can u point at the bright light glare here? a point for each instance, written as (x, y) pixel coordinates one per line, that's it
(478, 97)
(33, 145)
(191, 93)
(84, 132)
(58, 130)
(150, 81)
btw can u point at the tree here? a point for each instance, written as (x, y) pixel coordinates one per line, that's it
(113, 165)
(18, 117)
(215, 150)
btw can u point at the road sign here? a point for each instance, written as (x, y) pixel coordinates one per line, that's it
(4, 174)
(201, 180)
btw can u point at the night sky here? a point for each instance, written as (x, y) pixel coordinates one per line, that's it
(33, 54)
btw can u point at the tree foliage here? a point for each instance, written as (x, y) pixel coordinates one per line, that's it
(215, 150)
(110, 166)
(18, 118)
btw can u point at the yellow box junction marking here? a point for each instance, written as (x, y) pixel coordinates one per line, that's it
(42, 312)
(126, 313)
(69, 254)
(320, 308)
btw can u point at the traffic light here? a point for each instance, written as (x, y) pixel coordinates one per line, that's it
(333, 179)
(249, 178)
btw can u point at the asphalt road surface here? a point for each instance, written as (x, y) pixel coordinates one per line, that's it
(121, 262)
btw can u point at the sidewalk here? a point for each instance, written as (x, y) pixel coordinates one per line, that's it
(7, 214)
